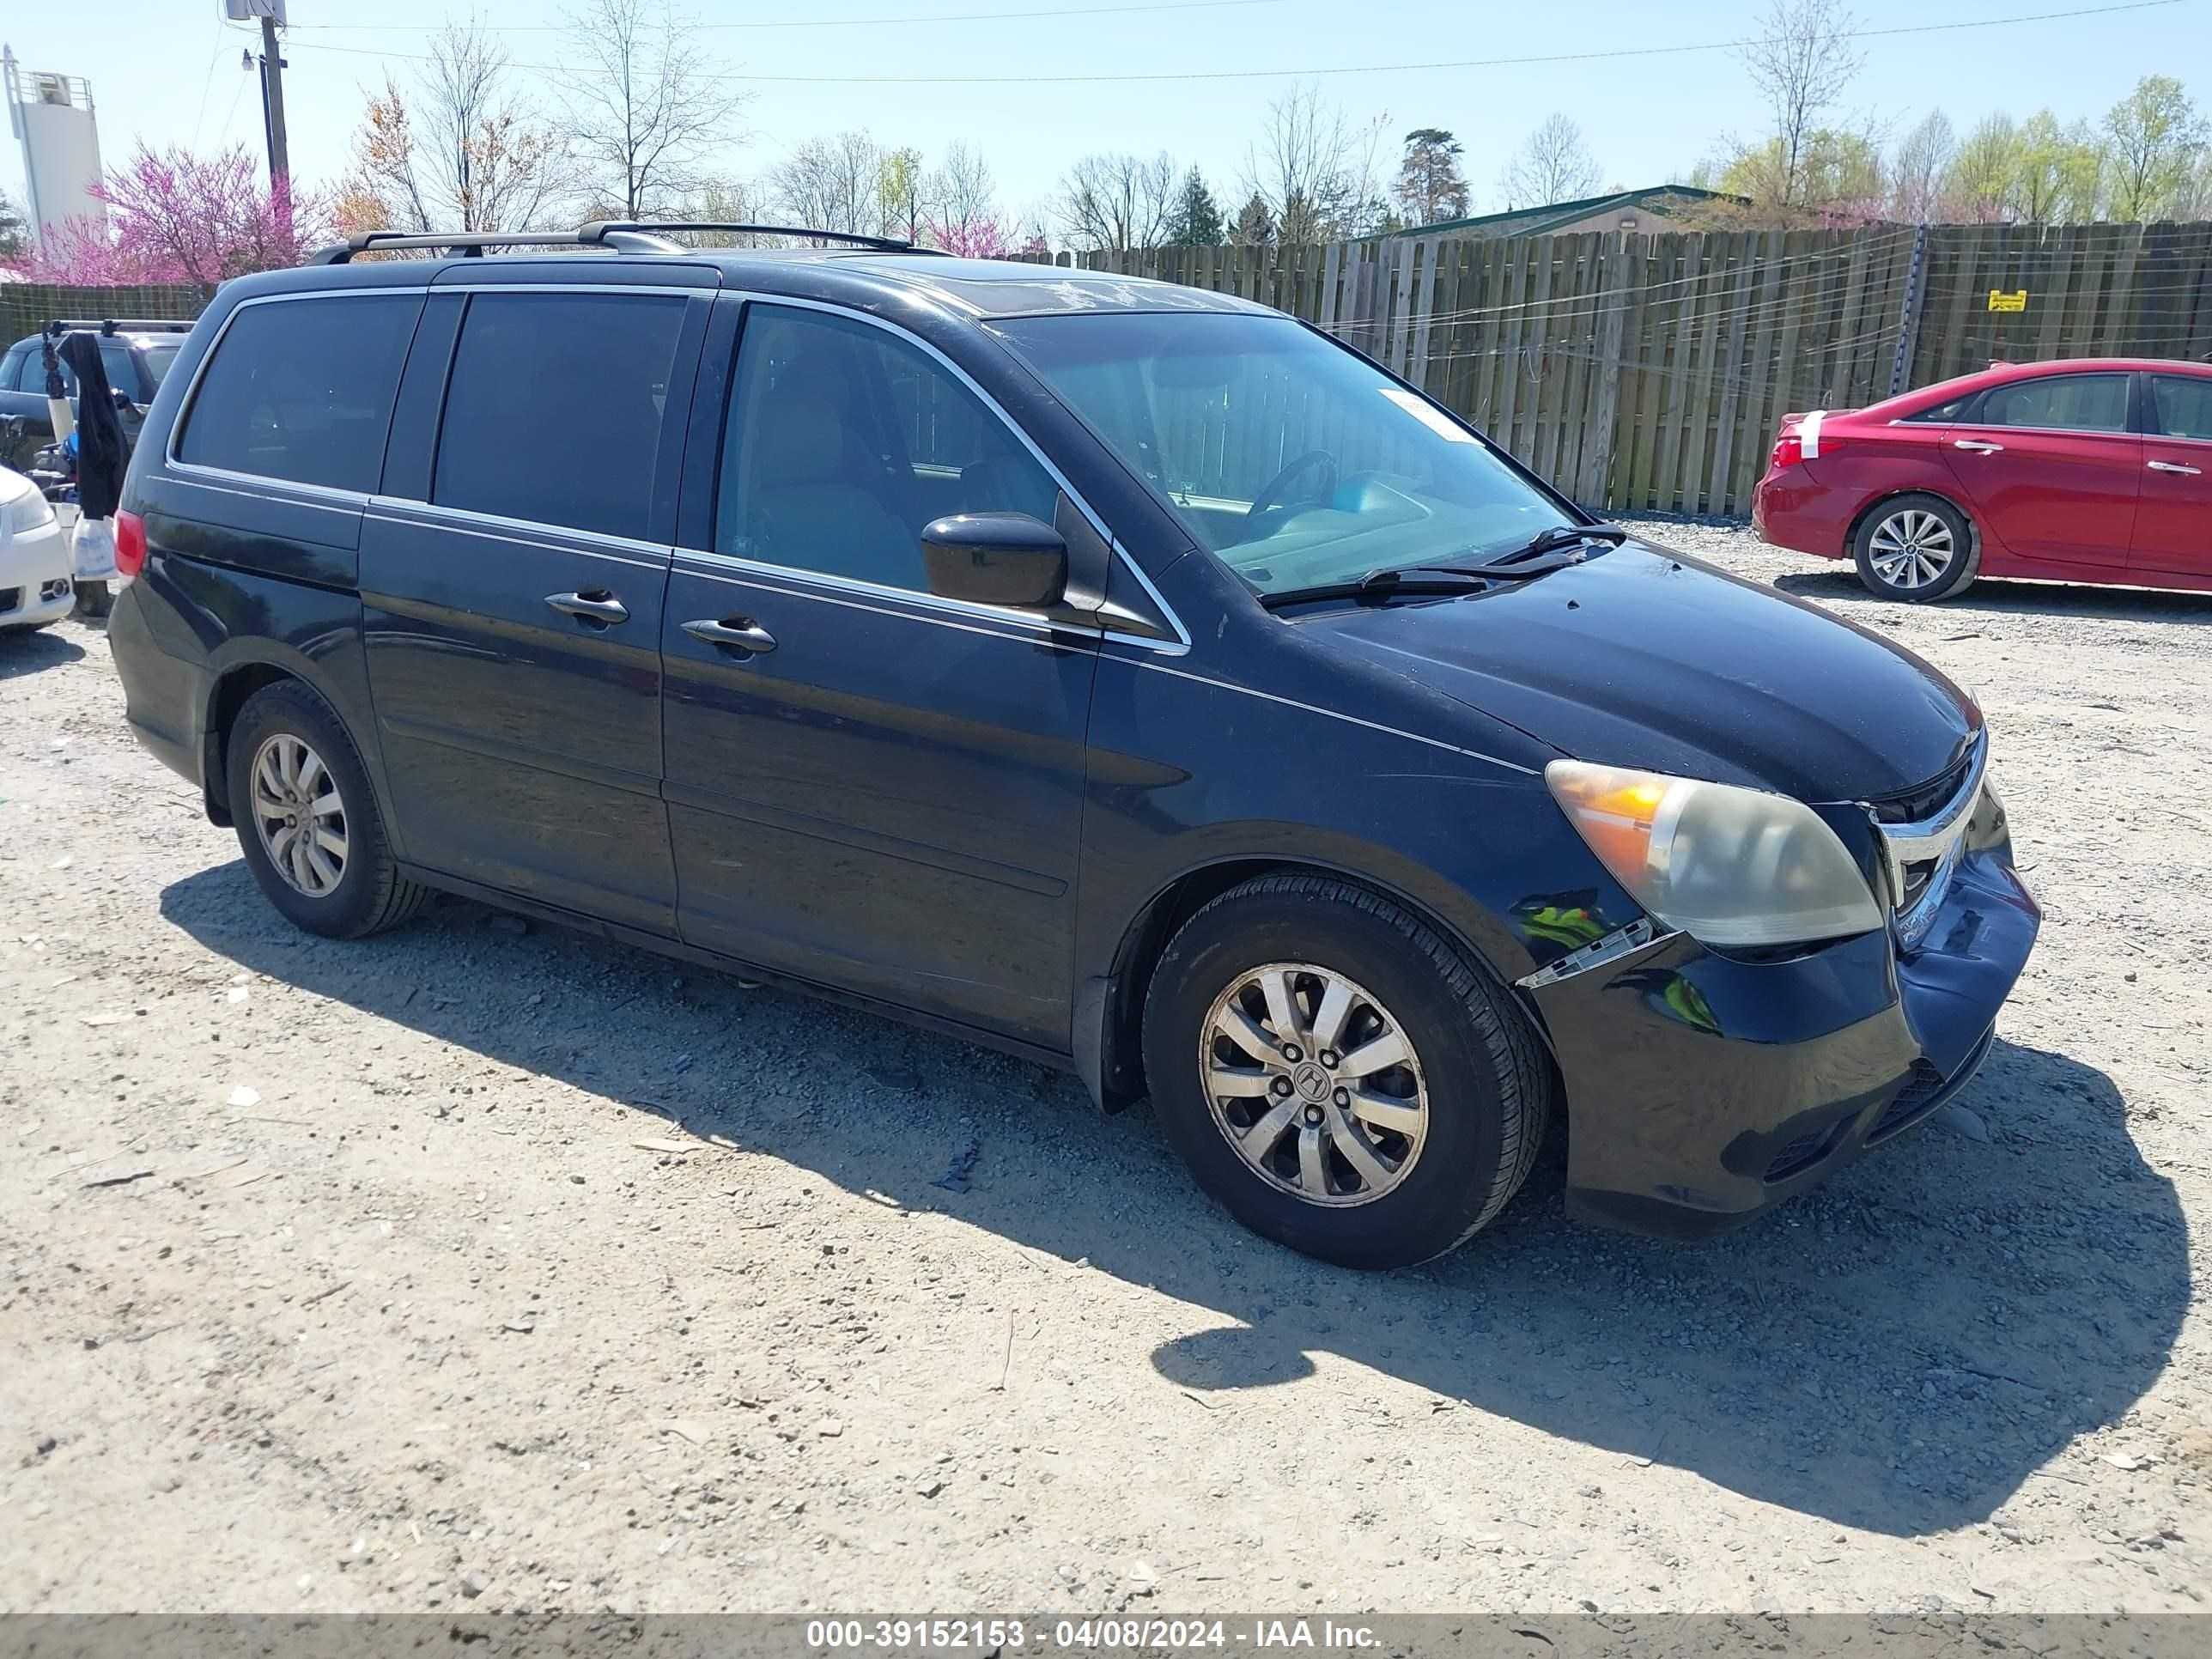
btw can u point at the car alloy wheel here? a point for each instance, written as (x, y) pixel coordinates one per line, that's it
(1314, 1083)
(300, 815)
(1911, 547)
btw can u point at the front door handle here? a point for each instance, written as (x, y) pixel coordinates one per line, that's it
(598, 608)
(739, 633)
(1977, 446)
(2173, 466)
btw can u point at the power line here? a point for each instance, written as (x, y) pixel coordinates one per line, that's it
(839, 22)
(1166, 76)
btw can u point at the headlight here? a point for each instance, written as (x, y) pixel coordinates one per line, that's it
(1726, 866)
(29, 511)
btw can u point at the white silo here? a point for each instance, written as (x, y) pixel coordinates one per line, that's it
(51, 116)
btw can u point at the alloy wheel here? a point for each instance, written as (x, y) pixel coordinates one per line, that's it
(298, 815)
(1314, 1083)
(1911, 548)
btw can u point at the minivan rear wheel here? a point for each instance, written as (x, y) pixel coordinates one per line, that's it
(1916, 549)
(1338, 1075)
(308, 820)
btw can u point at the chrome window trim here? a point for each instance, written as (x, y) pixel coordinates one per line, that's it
(1181, 643)
(493, 526)
(1042, 636)
(191, 397)
(1935, 838)
(1333, 714)
(270, 489)
(862, 588)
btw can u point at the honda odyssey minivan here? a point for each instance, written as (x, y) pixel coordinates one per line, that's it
(1127, 677)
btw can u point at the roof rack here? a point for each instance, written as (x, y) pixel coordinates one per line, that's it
(599, 227)
(111, 326)
(614, 236)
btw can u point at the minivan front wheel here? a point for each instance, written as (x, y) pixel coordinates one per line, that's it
(1342, 1078)
(307, 819)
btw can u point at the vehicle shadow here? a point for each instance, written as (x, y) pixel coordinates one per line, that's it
(1994, 596)
(1900, 1352)
(22, 652)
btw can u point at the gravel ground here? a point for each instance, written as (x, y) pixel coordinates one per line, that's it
(485, 1265)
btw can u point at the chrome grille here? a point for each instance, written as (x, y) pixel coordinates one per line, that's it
(1922, 833)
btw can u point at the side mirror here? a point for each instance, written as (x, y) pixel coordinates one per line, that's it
(995, 558)
(124, 402)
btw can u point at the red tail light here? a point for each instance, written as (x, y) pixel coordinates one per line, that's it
(129, 546)
(1789, 451)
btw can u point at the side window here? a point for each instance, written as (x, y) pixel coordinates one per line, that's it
(553, 412)
(301, 390)
(2070, 403)
(122, 373)
(2183, 405)
(12, 376)
(31, 374)
(844, 440)
(1941, 412)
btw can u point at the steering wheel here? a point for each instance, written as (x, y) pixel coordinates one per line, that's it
(1272, 491)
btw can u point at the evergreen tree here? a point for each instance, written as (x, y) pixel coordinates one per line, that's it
(1430, 187)
(1195, 220)
(1256, 226)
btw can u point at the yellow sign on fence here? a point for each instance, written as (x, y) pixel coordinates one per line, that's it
(2001, 300)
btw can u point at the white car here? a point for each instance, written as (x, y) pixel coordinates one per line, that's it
(34, 557)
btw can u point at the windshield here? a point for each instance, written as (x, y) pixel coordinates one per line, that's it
(1296, 462)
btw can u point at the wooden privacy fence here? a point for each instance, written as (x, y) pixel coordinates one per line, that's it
(1650, 372)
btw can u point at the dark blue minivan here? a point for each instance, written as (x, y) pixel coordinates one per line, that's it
(1126, 676)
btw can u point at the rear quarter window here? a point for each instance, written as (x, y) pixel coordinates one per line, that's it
(301, 390)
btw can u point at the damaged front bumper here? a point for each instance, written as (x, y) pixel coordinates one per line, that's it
(1703, 1088)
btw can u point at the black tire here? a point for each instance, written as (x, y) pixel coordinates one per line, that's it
(1489, 1087)
(1964, 565)
(94, 598)
(370, 893)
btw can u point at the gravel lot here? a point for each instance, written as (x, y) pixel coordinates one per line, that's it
(488, 1265)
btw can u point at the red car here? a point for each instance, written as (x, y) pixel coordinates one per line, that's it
(2097, 470)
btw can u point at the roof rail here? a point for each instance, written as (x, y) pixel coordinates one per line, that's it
(601, 228)
(470, 243)
(616, 235)
(110, 326)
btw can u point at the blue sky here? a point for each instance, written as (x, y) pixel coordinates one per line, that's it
(167, 72)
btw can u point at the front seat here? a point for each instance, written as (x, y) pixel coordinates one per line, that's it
(814, 503)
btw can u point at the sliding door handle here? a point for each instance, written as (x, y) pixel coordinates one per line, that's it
(740, 634)
(597, 607)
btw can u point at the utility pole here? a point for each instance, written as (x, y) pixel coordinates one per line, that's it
(272, 106)
(271, 14)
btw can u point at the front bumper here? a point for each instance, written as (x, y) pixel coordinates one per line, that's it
(34, 576)
(1702, 1089)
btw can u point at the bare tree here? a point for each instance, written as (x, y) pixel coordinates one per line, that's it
(962, 193)
(1802, 61)
(646, 105)
(1117, 203)
(1314, 171)
(832, 184)
(1553, 165)
(1923, 157)
(456, 151)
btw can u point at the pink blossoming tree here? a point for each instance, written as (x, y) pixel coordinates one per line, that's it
(176, 217)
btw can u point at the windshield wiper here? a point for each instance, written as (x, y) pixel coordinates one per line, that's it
(1389, 582)
(1557, 538)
